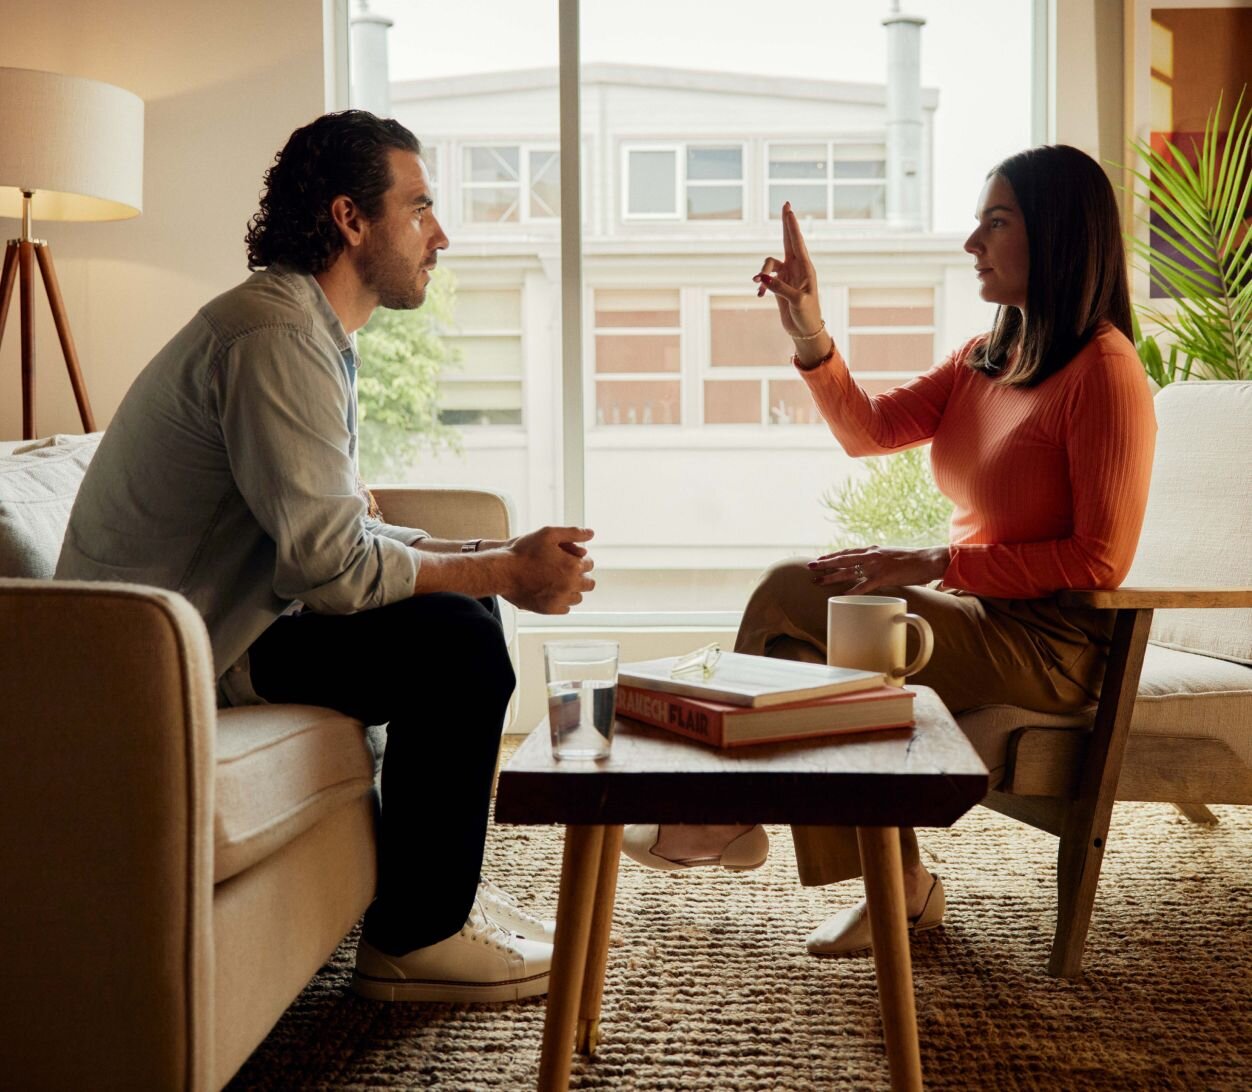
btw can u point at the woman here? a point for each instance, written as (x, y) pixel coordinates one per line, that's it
(1041, 433)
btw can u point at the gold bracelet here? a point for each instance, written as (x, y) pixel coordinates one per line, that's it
(809, 337)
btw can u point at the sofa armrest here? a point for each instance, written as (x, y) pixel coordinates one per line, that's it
(447, 511)
(106, 873)
(458, 512)
(1157, 598)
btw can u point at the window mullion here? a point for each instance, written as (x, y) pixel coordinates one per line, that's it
(573, 447)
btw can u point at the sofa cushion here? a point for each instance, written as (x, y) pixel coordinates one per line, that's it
(38, 483)
(1180, 694)
(1199, 518)
(281, 769)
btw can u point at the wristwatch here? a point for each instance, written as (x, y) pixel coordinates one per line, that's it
(471, 547)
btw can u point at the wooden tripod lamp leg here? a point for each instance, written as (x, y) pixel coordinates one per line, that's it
(8, 277)
(26, 310)
(44, 253)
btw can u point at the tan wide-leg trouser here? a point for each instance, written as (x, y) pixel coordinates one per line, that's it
(1024, 652)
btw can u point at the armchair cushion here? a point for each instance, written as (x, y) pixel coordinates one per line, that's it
(1180, 694)
(1198, 521)
(280, 769)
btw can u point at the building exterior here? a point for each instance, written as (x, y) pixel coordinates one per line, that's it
(704, 458)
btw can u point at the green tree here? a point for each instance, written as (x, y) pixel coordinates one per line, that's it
(403, 354)
(897, 504)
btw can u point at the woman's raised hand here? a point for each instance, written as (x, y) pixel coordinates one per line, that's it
(794, 284)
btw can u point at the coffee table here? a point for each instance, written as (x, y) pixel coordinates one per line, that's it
(925, 776)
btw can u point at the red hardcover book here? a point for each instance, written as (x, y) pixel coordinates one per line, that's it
(725, 725)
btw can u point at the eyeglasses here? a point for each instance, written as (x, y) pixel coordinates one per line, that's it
(700, 662)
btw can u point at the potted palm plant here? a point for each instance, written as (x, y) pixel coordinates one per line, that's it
(1197, 204)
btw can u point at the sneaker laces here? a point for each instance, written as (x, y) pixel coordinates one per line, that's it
(497, 894)
(482, 927)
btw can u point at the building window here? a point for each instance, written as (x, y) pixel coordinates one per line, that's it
(486, 387)
(891, 335)
(693, 182)
(510, 183)
(638, 357)
(749, 380)
(830, 180)
(430, 157)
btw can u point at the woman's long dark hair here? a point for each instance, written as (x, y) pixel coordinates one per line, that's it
(1077, 276)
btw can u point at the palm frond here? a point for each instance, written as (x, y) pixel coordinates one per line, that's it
(1197, 207)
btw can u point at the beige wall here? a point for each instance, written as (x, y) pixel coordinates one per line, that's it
(1085, 76)
(223, 83)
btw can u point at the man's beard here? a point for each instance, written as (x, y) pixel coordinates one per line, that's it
(389, 275)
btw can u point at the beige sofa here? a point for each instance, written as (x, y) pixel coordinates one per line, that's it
(171, 876)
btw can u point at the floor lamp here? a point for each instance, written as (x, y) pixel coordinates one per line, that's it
(70, 149)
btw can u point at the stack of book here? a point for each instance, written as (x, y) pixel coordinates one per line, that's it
(755, 699)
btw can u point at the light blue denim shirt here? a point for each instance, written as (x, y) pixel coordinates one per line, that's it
(229, 474)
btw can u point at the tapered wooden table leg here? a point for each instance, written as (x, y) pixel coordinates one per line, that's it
(588, 1034)
(580, 870)
(884, 893)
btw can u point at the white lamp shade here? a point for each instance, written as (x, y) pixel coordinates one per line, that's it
(76, 143)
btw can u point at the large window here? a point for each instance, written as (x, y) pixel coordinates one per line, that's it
(700, 458)
(683, 182)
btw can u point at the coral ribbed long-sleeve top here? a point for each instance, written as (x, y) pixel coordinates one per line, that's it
(1049, 482)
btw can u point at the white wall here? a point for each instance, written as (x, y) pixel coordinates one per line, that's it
(224, 84)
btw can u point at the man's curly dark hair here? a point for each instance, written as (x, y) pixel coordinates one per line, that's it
(343, 153)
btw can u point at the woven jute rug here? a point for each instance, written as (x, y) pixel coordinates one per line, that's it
(709, 986)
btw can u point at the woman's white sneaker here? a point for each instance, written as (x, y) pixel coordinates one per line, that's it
(483, 962)
(502, 908)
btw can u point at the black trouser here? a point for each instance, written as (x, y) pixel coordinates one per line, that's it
(435, 669)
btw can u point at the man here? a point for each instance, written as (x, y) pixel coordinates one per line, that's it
(229, 475)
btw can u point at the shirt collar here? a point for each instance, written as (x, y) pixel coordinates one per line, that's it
(306, 285)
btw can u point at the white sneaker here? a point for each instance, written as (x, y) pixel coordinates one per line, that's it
(483, 962)
(502, 908)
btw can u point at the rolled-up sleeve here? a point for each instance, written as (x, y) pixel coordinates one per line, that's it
(283, 406)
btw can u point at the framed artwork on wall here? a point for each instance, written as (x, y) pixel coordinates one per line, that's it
(1181, 57)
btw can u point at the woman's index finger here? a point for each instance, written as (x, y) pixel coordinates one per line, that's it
(793, 235)
(789, 250)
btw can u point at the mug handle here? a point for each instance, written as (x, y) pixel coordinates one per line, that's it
(925, 636)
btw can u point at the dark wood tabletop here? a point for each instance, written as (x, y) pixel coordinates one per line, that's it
(928, 776)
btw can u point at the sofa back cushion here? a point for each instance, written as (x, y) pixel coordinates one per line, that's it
(38, 482)
(1198, 528)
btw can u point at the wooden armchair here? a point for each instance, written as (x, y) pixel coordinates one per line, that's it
(1174, 721)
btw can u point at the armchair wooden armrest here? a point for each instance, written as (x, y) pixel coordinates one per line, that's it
(1156, 598)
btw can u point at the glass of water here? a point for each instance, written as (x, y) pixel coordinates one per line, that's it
(582, 693)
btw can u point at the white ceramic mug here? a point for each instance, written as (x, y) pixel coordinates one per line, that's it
(869, 632)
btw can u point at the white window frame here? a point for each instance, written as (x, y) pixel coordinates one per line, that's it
(523, 183)
(680, 168)
(681, 182)
(519, 332)
(592, 377)
(897, 375)
(830, 183)
(761, 374)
